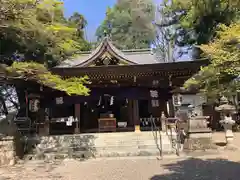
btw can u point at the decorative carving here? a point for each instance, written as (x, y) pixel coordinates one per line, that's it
(106, 59)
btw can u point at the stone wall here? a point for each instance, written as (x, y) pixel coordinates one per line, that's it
(7, 151)
(11, 146)
(64, 146)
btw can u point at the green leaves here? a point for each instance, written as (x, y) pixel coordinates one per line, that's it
(39, 73)
(38, 31)
(198, 20)
(219, 78)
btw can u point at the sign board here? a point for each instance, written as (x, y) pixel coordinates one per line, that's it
(59, 100)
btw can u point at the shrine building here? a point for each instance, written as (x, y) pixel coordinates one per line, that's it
(129, 91)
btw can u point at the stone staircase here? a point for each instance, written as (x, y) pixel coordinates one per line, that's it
(132, 144)
(106, 145)
(24, 125)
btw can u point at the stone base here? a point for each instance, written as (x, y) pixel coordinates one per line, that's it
(137, 128)
(199, 141)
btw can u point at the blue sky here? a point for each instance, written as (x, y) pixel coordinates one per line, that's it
(93, 10)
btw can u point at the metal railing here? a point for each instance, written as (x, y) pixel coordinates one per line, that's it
(157, 132)
(175, 139)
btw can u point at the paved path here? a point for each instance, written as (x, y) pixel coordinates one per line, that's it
(224, 165)
(219, 137)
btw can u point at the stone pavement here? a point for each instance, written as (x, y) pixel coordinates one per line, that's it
(222, 165)
(219, 138)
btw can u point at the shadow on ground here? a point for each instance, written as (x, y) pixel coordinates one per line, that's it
(221, 144)
(197, 169)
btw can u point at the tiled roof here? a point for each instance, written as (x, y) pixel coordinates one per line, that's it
(142, 56)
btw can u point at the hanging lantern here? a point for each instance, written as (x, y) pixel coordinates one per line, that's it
(34, 105)
(111, 100)
(177, 99)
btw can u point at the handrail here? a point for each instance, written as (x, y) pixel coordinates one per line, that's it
(157, 130)
(175, 142)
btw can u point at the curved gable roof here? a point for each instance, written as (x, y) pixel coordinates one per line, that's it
(130, 57)
(105, 46)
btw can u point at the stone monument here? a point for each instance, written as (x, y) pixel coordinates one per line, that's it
(199, 136)
(226, 111)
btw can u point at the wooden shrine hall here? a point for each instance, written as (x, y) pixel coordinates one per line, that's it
(129, 90)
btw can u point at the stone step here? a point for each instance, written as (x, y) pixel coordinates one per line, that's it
(108, 144)
(130, 139)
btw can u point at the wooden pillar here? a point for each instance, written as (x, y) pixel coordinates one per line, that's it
(130, 113)
(47, 127)
(136, 116)
(77, 115)
(44, 130)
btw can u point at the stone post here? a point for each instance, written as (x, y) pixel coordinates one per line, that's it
(163, 121)
(77, 116)
(228, 133)
(44, 127)
(7, 151)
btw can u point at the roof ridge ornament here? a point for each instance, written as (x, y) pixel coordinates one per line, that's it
(107, 31)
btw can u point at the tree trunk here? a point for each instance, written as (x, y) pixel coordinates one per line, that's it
(21, 100)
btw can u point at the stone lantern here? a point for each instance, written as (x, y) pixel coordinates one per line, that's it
(226, 111)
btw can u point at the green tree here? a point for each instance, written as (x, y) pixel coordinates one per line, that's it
(197, 20)
(38, 31)
(34, 35)
(129, 24)
(78, 22)
(221, 76)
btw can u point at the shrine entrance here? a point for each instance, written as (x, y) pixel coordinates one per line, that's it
(108, 114)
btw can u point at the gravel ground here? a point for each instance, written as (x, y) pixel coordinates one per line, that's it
(224, 165)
